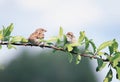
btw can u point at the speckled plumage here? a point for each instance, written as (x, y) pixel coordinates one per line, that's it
(36, 36)
(70, 37)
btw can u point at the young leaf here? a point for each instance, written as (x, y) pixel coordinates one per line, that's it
(109, 76)
(118, 72)
(86, 43)
(115, 59)
(64, 39)
(69, 47)
(114, 47)
(24, 40)
(101, 65)
(81, 37)
(104, 45)
(74, 44)
(8, 30)
(111, 50)
(1, 36)
(10, 46)
(16, 39)
(78, 59)
(77, 50)
(4, 30)
(93, 46)
(53, 39)
(1, 31)
(100, 53)
(59, 43)
(60, 32)
(70, 57)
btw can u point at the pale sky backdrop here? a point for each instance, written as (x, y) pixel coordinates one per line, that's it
(99, 18)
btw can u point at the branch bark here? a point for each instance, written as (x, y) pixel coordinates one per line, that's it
(52, 47)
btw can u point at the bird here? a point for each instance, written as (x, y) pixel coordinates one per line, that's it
(70, 37)
(36, 36)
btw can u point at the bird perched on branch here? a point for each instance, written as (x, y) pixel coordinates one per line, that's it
(36, 36)
(70, 37)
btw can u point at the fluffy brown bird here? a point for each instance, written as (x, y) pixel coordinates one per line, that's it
(70, 37)
(36, 36)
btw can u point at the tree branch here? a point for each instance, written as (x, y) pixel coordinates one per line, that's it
(29, 44)
(48, 46)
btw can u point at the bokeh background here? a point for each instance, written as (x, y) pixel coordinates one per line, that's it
(98, 18)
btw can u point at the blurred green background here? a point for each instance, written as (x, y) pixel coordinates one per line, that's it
(46, 66)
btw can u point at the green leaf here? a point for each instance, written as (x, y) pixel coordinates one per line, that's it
(61, 32)
(70, 57)
(114, 47)
(74, 44)
(81, 37)
(1, 36)
(53, 39)
(109, 76)
(64, 39)
(77, 50)
(93, 45)
(4, 30)
(115, 59)
(86, 43)
(111, 50)
(16, 39)
(24, 40)
(10, 46)
(8, 30)
(101, 65)
(1, 31)
(104, 45)
(118, 72)
(69, 47)
(59, 44)
(78, 59)
(100, 53)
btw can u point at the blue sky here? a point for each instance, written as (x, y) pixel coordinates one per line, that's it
(99, 18)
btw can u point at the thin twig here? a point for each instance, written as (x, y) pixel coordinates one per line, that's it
(85, 55)
(53, 47)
